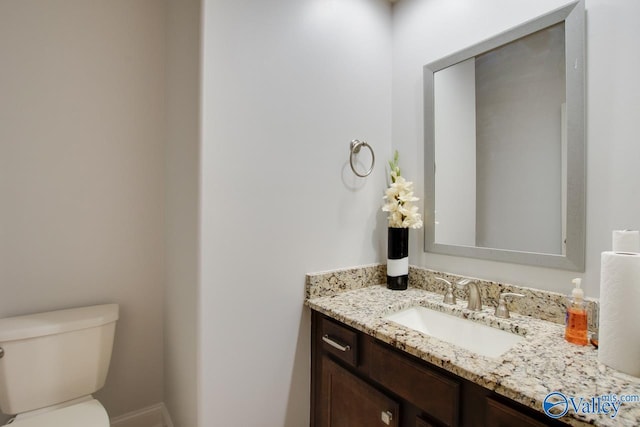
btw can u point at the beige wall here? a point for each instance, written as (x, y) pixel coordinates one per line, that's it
(81, 173)
(180, 327)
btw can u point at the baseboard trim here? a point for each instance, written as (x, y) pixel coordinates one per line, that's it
(151, 416)
(166, 417)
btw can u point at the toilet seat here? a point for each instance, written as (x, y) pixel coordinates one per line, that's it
(88, 413)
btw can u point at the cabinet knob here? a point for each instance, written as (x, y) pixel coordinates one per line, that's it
(386, 417)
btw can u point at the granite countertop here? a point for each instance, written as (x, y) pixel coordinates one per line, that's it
(540, 364)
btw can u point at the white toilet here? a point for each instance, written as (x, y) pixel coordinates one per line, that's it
(50, 363)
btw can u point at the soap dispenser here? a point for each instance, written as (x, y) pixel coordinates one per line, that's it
(576, 331)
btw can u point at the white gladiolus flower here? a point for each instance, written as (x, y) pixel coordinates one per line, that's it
(399, 200)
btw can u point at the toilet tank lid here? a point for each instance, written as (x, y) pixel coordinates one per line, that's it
(56, 322)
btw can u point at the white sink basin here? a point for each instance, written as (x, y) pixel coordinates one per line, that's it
(481, 339)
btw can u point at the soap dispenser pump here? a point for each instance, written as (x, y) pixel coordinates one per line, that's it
(576, 330)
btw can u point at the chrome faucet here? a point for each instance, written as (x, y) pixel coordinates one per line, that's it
(475, 301)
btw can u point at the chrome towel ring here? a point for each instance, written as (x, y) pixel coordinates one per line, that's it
(355, 147)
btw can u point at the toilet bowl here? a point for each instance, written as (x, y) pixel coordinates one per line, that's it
(51, 363)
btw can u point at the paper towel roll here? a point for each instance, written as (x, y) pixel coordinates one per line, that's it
(625, 241)
(619, 332)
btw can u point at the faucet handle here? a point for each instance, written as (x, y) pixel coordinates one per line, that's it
(502, 310)
(449, 297)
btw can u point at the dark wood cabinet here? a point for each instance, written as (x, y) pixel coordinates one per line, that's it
(501, 415)
(422, 423)
(436, 394)
(358, 381)
(348, 401)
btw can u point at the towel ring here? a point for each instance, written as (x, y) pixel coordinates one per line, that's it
(355, 147)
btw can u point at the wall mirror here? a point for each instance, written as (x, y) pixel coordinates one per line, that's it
(504, 146)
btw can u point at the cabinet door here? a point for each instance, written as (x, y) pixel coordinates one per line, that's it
(435, 394)
(347, 401)
(500, 415)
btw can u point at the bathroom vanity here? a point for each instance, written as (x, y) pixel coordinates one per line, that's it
(370, 371)
(360, 381)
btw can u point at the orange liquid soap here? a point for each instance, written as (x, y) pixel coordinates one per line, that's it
(576, 330)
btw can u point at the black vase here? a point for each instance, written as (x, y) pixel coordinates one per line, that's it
(398, 258)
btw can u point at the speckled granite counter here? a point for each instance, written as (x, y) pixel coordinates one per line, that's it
(541, 363)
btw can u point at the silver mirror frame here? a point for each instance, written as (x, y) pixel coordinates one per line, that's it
(573, 15)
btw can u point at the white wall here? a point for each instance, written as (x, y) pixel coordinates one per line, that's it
(427, 30)
(81, 173)
(287, 85)
(182, 203)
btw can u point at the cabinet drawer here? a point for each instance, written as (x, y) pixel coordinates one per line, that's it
(340, 341)
(501, 415)
(433, 393)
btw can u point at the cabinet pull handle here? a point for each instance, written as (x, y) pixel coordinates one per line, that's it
(334, 344)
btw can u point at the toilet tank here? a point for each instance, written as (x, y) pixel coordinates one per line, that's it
(49, 358)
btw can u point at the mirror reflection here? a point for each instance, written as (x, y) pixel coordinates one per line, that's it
(498, 129)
